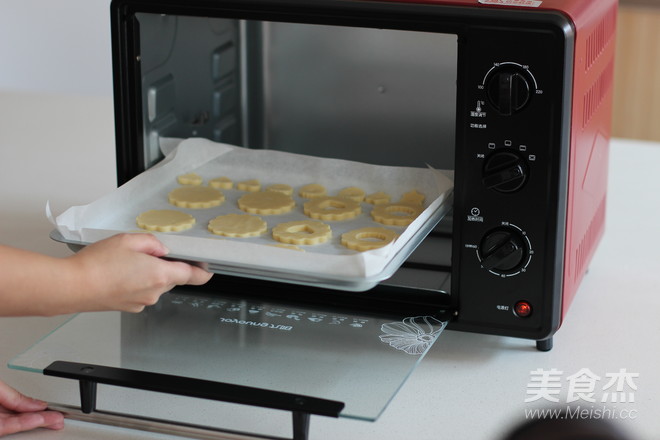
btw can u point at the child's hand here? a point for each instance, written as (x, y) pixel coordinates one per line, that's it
(124, 272)
(20, 413)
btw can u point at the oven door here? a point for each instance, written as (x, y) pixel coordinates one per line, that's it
(239, 347)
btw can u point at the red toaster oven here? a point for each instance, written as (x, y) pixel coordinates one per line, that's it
(513, 96)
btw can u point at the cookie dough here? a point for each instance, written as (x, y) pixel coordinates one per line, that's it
(312, 191)
(413, 197)
(377, 198)
(288, 246)
(189, 179)
(195, 197)
(165, 220)
(397, 214)
(266, 203)
(221, 182)
(352, 192)
(281, 188)
(365, 239)
(237, 225)
(252, 185)
(332, 208)
(302, 232)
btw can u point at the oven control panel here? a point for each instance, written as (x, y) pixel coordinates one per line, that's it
(508, 161)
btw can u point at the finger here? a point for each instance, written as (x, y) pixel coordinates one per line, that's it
(28, 421)
(183, 273)
(148, 244)
(15, 401)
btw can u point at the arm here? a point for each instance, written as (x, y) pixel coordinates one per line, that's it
(120, 273)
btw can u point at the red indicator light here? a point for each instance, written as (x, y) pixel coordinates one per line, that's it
(522, 309)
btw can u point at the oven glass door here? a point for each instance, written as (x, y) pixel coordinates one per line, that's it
(360, 360)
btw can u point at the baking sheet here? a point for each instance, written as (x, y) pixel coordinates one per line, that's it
(329, 264)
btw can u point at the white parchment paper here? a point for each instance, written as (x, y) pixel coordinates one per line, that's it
(116, 212)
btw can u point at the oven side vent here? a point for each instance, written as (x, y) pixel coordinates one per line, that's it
(597, 92)
(587, 244)
(600, 37)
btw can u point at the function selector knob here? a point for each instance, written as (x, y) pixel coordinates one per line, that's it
(504, 171)
(508, 89)
(503, 250)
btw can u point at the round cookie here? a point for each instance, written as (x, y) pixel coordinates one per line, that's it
(281, 188)
(397, 214)
(302, 232)
(266, 203)
(195, 197)
(377, 198)
(189, 179)
(237, 225)
(252, 185)
(312, 191)
(352, 192)
(165, 220)
(221, 182)
(365, 239)
(413, 197)
(332, 208)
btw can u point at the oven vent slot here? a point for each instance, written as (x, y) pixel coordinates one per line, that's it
(586, 246)
(600, 37)
(597, 92)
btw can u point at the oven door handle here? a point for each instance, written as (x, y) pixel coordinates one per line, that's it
(89, 375)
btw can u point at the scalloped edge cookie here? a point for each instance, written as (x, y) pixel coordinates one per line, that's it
(165, 220)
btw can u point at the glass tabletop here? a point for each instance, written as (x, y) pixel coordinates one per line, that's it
(358, 359)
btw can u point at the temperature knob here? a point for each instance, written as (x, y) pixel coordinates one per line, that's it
(508, 89)
(503, 250)
(504, 171)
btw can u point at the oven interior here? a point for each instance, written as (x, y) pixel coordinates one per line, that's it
(380, 96)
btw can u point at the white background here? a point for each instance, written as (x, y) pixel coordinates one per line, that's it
(56, 46)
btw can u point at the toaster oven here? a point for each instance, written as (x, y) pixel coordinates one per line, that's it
(514, 96)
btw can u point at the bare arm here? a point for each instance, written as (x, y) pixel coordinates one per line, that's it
(120, 273)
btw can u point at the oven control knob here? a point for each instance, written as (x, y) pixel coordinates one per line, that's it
(504, 171)
(508, 90)
(503, 250)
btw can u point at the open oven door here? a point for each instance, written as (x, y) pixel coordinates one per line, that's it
(297, 357)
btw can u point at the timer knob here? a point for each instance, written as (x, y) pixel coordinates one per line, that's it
(502, 250)
(508, 89)
(504, 171)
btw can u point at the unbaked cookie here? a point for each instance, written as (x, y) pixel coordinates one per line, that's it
(413, 197)
(281, 188)
(332, 208)
(302, 232)
(378, 198)
(189, 179)
(288, 246)
(266, 203)
(252, 185)
(195, 197)
(312, 191)
(165, 220)
(221, 182)
(237, 225)
(397, 214)
(365, 239)
(352, 192)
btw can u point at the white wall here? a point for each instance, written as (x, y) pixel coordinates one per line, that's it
(60, 46)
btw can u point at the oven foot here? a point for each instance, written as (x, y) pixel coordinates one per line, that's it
(544, 344)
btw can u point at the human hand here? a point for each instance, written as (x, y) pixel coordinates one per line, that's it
(20, 413)
(124, 272)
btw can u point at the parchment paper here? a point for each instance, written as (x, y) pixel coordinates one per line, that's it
(116, 212)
